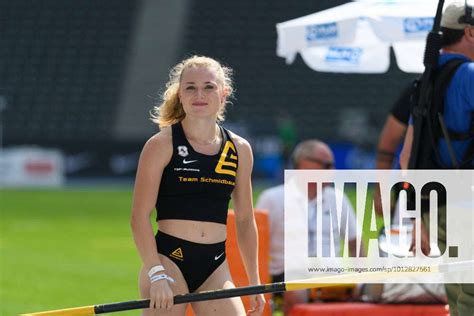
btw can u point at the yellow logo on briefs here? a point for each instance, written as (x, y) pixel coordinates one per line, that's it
(229, 150)
(177, 254)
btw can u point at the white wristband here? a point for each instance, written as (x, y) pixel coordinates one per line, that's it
(155, 269)
(161, 277)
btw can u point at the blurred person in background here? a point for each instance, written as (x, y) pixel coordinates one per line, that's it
(189, 171)
(392, 136)
(457, 42)
(288, 135)
(308, 155)
(394, 130)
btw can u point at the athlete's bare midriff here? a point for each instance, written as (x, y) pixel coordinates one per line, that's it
(195, 231)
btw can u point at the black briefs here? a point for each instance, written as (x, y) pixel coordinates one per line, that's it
(196, 261)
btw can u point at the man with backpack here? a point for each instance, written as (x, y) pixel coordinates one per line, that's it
(450, 124)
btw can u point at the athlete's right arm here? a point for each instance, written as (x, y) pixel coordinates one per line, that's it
(155, 155)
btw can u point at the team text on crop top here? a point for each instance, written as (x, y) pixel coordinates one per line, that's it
(196, 186)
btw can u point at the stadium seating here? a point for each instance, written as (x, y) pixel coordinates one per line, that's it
(243, 35)
(63, 63)
(62, 67)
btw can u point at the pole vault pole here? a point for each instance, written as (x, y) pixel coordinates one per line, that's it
(318, 282)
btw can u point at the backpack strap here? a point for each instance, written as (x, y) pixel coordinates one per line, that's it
(442, 80)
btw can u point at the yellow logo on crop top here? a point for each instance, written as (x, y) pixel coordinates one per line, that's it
(228, 160)
(177, 254)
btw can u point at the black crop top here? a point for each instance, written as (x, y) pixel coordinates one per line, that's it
(196, 186)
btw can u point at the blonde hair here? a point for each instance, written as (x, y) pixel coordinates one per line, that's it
(170, 111)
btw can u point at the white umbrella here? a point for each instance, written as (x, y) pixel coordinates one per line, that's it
(356, 37)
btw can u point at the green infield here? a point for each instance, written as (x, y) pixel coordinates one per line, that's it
(62, 249)
(66, 248)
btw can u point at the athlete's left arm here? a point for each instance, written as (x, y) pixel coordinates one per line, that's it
(247, 236)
